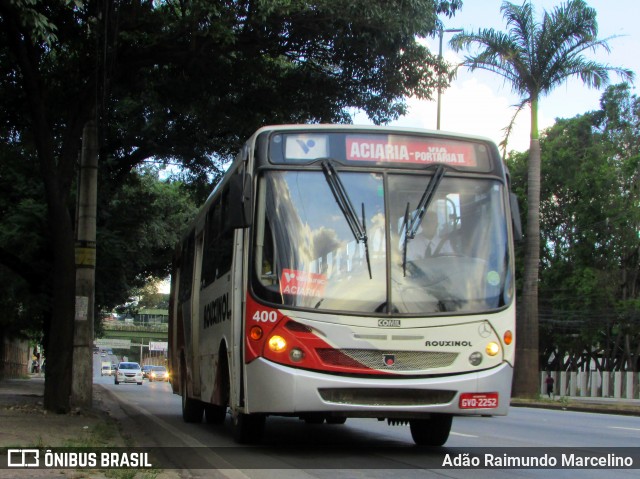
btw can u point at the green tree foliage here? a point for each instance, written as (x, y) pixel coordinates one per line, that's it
(577, 288)
(589, 228)
(151, 296)
(139, 225)
(619, 122)
(187, 82)
(192, 79)
(23, 302)
(534, 57)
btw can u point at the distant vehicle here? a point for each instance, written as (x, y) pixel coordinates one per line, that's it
(128, 373)
(109, 352)
(146, 369)
(105, 369)
(103, 354)
(158, 373)
(96, 350)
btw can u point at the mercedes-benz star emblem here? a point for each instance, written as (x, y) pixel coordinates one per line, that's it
(484, 330)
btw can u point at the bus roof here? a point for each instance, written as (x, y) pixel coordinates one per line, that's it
(372, 129)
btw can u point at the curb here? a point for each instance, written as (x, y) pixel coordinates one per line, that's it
(590, 408)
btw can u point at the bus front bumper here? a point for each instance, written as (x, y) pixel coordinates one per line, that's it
(277, 389)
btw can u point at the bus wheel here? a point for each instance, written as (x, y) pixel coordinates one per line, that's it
(313, 418)
(192, 409)
(431, 432)
(336, 420)
(248, 428)
(215, 414)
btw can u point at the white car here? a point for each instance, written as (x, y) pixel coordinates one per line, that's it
(158, 373)
(128, 372)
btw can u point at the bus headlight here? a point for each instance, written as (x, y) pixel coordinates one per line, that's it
(475, 358)
(492, 349)
(277, 344)
(296, 355)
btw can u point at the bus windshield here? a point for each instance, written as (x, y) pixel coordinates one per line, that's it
(454, 259)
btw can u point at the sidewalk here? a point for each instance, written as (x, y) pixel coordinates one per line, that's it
(21, 405)
(25, 423)
(627, 407)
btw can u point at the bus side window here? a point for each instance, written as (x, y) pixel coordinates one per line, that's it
(224, 251)
(266, 278)
(218, 241)
(212, 227)
(267, 269)
(186, 268)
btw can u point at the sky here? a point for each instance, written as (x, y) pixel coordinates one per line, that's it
(480, 103)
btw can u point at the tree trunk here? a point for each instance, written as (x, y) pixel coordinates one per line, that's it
(628, 357)
(526, 367)
(59, 347)
(57, 170)
(2, 358)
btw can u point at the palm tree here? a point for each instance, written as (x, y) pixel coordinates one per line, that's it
(534, 58)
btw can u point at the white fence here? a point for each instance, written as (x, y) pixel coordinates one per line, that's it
(608, 384)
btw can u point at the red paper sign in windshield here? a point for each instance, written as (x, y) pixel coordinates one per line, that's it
(301, 283)
(399, 149)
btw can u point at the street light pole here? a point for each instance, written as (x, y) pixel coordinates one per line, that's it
(441, 34)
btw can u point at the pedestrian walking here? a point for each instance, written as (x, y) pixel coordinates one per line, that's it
(549, 382)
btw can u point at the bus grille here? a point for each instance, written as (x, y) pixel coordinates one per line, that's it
(376, 359)
(386, 397)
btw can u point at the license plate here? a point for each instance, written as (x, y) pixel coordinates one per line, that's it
(478, 401)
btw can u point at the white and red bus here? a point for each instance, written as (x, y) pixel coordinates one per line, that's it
(342, 271)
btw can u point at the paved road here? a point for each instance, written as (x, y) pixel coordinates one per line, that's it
(365, 447)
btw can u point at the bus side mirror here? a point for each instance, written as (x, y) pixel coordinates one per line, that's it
(515, 217)
(240, 201)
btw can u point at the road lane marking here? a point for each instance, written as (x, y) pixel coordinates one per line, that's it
(625, 428)
(463, 435)
(215, 460)
(219, 463)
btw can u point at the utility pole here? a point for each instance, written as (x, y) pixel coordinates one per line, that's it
(82, 377)
(441, 34)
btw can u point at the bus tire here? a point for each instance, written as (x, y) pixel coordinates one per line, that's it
(214, 414)
(431, 432)
(313, 418)
(336, 420)
(248, 428)
(192, 409)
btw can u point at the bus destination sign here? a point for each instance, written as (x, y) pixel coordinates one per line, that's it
(404, 149)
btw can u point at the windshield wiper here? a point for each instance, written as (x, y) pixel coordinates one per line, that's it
(359, 229)
(404, 228)
(411, 225)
